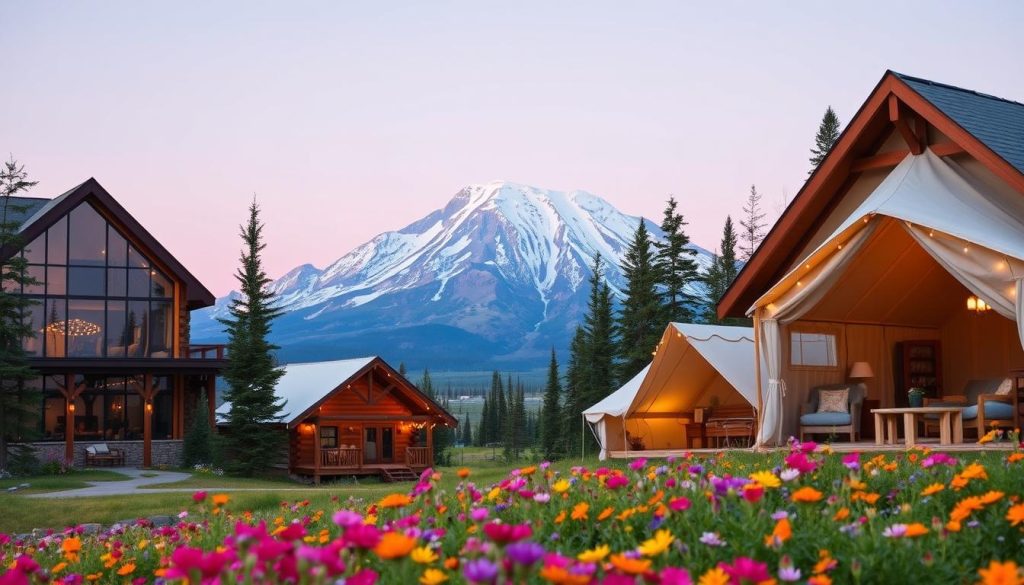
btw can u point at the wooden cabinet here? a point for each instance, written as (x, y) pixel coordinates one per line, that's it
(918, 364)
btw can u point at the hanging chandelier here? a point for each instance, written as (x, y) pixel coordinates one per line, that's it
(73, 327)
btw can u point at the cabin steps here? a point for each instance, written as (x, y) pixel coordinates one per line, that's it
(394, 474)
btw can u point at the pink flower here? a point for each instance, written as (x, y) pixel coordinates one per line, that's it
(679, 504)
(198, 497)
(852, 460)
(479, 514)
(616, 481)
(346, 518)
(675, 576)
(746, 569)
(364, 577)
(506, 533)
(801, 463)
(637, 464)
(363, 536)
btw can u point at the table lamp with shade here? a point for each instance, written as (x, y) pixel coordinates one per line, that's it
(861, 371)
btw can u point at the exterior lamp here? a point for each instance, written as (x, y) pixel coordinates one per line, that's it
(71, 407)
(149, 406)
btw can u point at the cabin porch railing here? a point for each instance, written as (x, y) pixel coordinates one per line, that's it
(417, 456)
(341, 457)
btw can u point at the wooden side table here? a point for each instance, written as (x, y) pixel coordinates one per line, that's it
(951, 424)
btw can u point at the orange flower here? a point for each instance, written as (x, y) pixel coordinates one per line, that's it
(932, 489)
(451, 563)
(580, 511)
(606, 513)
(71, 547)
(715, 576)
(991, 497)
(915, 529)
(395, 501)
(630, 566)
(463, 472)
(965, 507)
(126, 569)
(841, 514)
(998, 573)
(821, 579)
(560, 518)
(953, 526)
(1015, 457)
(865, 497)
(974, 471)
(528, 470)
(806, 495)
(561, 576)
(394, 545)
(1015, 514)
(958, 482)
(780, 534)
(58, 568)
(221, 499)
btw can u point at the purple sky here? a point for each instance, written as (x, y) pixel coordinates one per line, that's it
(347, 121)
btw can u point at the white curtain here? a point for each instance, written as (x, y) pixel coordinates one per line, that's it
(770, 426)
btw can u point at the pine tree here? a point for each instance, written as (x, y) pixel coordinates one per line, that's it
(252, 444)
(444, 437)
(572, 419)
(500, 414)
(720, 275)
(641, 318)
(598, 368)
(676, 264)
(198, 445)
(483, 431)
(467, 431)
(401, 368)
(551, 439)
(828, 133)
(19, 400)
(753, 225)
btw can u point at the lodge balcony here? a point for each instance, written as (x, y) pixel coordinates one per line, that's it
(351, 460)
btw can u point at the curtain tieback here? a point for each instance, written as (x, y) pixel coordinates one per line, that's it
(778, 384)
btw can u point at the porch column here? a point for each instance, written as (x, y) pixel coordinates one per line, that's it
(147, 391)
(430, 444)
(70, 392)
(211, 399)
(316, 452)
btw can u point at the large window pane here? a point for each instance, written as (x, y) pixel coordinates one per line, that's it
(57, 242)
(88, 236)
(132, 421)
(118, 336)
(35, 252)
(136, 259)
(56, 316)
(138, 326)
(87, 281)
(85, 327)
(90, 416)
(163, 415)
(117, 282)
(53, 417)
(162, 287)
(160, 329)
(56, 280)
(34, 317)
(117, 248)
(38, 274)
(138, 282)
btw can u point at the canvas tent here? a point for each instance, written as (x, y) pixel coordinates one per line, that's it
(694, 366)
(973, 232)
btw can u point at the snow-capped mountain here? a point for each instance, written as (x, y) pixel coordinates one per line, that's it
(494, 279)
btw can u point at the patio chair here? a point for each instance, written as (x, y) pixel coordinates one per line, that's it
(812, 421)
(985, 402)
(102, 455)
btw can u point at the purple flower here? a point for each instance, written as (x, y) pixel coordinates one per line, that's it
(852, 460)
(480, 571)
(346, 518)
(712, 539)
(525, 552)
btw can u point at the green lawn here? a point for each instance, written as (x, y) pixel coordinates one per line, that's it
(55, 483)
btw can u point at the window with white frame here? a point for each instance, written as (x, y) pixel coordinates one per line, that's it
(812, 349)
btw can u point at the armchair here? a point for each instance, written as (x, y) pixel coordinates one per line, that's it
(985, 403)
(812, 421)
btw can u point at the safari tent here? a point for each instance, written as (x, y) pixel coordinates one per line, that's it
(694, 367)
(904, 251)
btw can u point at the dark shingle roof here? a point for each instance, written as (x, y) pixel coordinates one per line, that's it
(23, 208)
(997, 122)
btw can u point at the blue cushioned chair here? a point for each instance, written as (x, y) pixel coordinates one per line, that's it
(982, 406)
(812, 421)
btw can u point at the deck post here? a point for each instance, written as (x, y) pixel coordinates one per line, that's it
(69, 418)
(211, 399)
(316, 452)
(147, 420)
(430, 444)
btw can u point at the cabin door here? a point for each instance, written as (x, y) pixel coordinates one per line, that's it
(379, 444)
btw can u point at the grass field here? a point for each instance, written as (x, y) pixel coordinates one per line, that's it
(55, 483)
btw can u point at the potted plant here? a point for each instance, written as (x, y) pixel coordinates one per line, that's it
(916, 397)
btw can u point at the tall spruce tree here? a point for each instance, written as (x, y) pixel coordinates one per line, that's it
(677, 266)
(753, 225)
(500, 414)
(641, 317)
(551, 439)
(720, 275)
(19, 399)
(467, 431)
(828, 133)
(599, 367)
(482, 429)
(572, 410)
(444, 437)
(198, 445)
(401, 368)
(252, 445)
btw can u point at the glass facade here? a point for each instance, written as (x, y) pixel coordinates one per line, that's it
(110, 409)
(98, 296)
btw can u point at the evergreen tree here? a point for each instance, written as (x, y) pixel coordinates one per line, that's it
(598, 367)
(253, 444)
(551, 438)
(753, 225)
(401, 368)
(500, 414)
(19, 399)
(515, 429)
(828, 133)
(641, 318)
(467, 431)
(720, 275)
(444, 437)
(572, 419)
(483, 432)
(677, 266)
(198, 446)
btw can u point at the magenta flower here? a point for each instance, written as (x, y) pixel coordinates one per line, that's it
(801, 463)
(675, 576)
(479, 514)
(346, 518)
(506, 533)
(525, 552)
(616, 481)
(679, 504)
(852, 460)
(364, 577)
(362, 536)
(746, 569)
(637, 464)
(480, 571)
(199, 496)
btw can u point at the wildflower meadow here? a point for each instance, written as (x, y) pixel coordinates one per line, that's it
(803, 516)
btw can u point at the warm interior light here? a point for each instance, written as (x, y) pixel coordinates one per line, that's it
(977, 305)
(972, 304)
(71, 407)
(75, 328)
(149, 407)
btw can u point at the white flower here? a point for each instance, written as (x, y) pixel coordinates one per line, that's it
(789, 474)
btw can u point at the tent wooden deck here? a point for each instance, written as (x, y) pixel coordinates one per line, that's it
(857, 446)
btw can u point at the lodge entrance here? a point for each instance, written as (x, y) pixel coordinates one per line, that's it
(379, 444)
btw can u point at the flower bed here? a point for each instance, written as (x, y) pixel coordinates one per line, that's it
(806, 516)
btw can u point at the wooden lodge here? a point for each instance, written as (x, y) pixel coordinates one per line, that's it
(357, 417)
(111, 332)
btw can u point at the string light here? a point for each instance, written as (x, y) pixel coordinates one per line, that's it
(74, 327)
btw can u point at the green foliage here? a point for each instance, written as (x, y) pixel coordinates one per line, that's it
(828, 133)
(19, 400)
(444, 437)
(720, 275)
(572, 420)
(467, 431)
(551, 439)
(516, 428)
(483, 430)
(753, 225)
(641, 319)
(677, 266)
(252, 444)
(198, 446)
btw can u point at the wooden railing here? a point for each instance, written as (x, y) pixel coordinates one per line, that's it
(417, 456)
(341, 457)
(209, 351)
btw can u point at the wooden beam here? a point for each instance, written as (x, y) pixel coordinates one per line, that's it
(71, 391)
(316, 453)
(892, 158)
(921, 130)
(901, 124)
(147, 419)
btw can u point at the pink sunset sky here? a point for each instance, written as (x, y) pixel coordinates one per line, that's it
(349, 120)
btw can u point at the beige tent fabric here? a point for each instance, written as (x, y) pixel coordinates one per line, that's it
(770, 418)
(1020, 309)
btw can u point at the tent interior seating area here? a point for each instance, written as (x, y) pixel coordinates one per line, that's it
(726, 426)
(817, 417)
(985, 403)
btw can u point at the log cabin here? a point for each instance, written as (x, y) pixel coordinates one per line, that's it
(356, 417)
(111, 331)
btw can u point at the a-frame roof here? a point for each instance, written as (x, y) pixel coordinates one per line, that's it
(987, 128)
(40, 214)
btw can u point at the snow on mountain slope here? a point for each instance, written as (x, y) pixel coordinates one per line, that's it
(502, 262)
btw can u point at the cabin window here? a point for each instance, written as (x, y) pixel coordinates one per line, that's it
(329, 437)
(812, 349)
(96, 294)
(109, 409)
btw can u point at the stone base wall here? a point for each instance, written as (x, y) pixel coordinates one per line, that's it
(165, 452)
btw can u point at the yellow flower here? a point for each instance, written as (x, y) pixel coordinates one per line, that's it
(1015, 514)
(766, 479)
(423, 555)
(594, 555)
(988, 437)
(394, 545)
(657, 545)
(126, 569)
(433, 577)
(998, 573)
(630, 566)
(221, 499)
(856, 484)
(395, 501)
(932, 489)
(715, 576)
(561, 486)
(806, 495)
